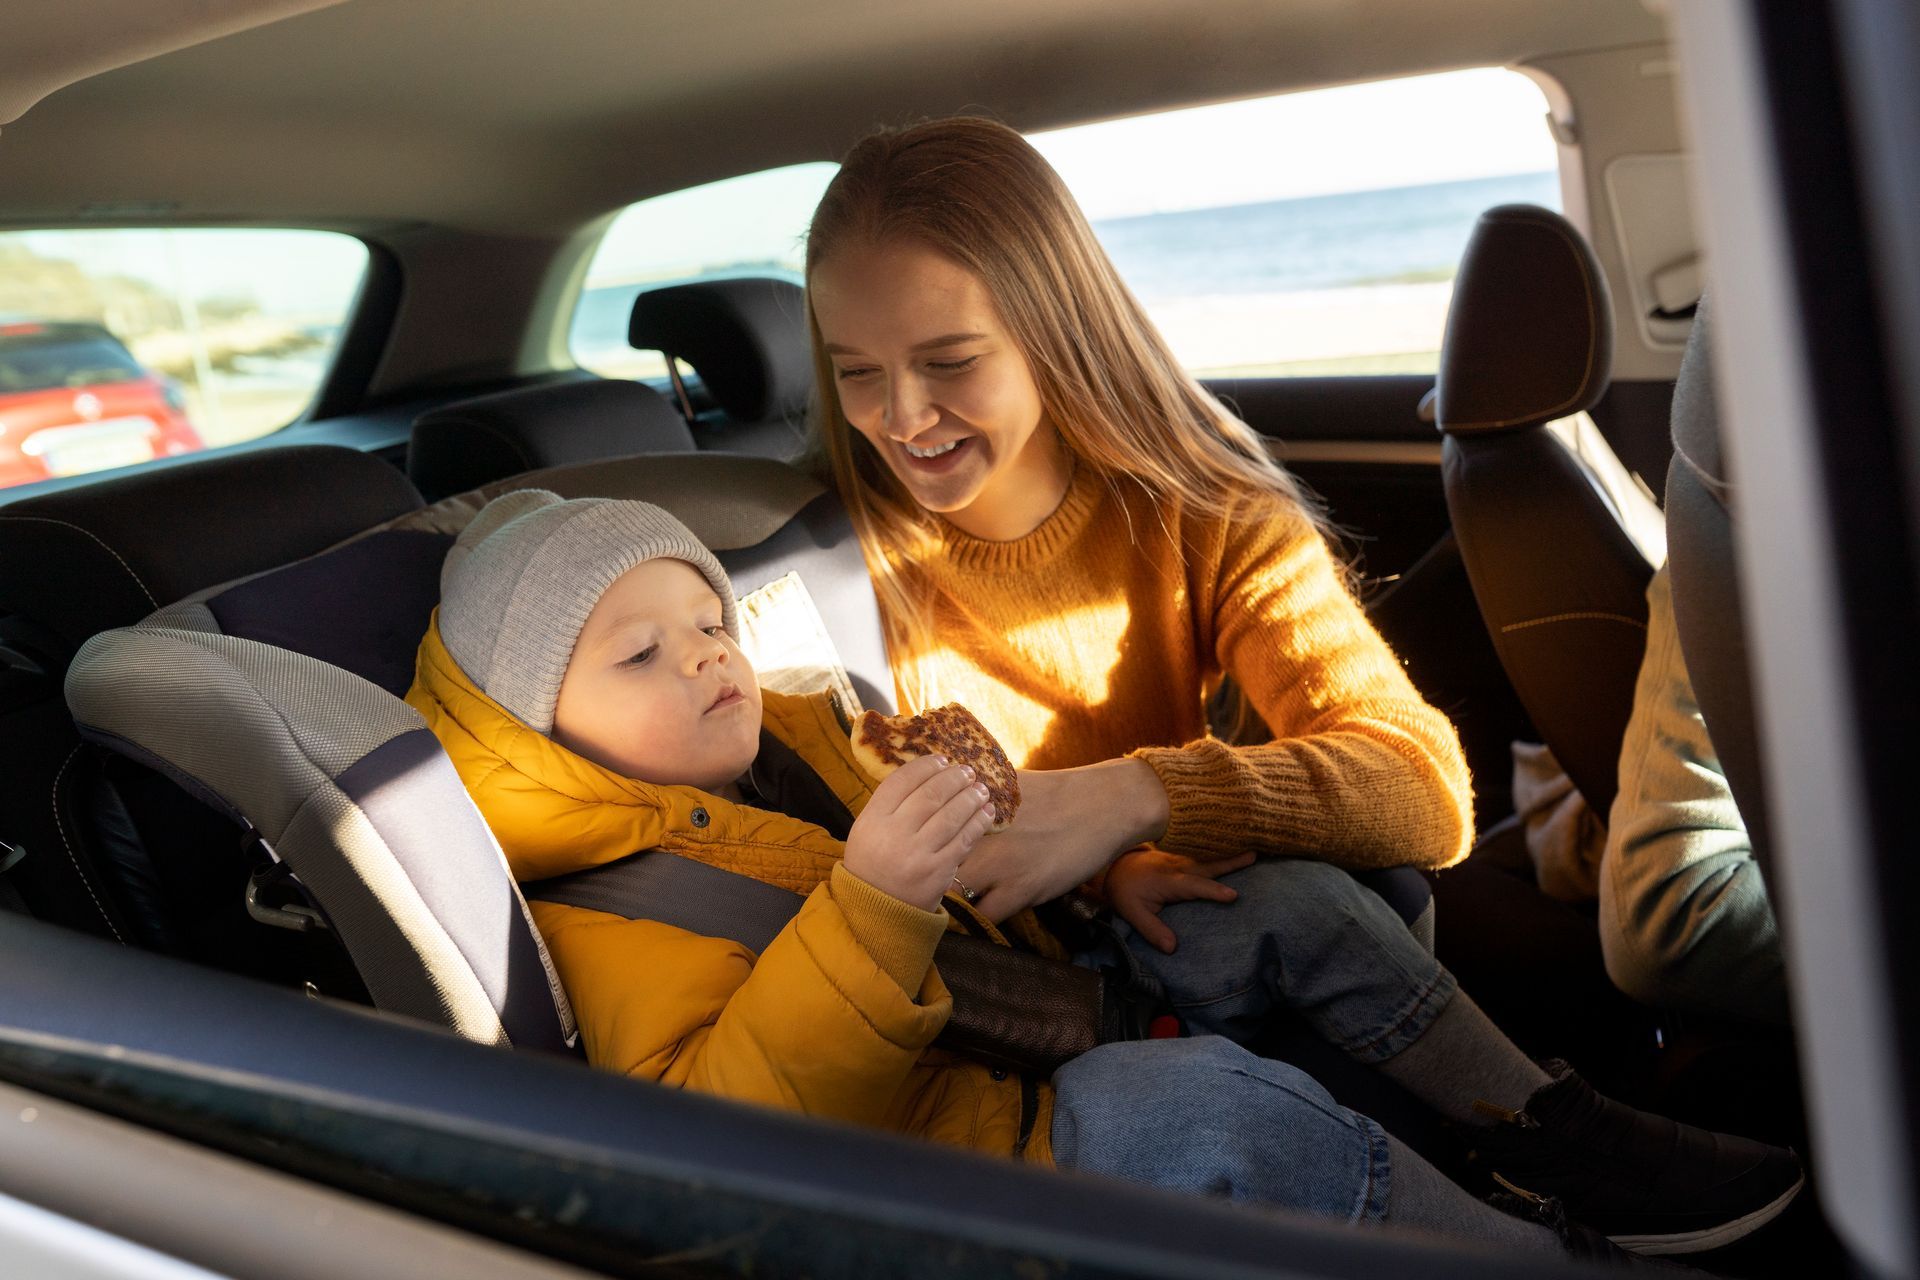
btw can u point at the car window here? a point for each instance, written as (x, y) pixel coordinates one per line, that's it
(118, 346)
(1309, 233)
(1314, 232)
(752, 225)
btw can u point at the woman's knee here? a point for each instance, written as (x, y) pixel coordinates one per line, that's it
(1205, 1115)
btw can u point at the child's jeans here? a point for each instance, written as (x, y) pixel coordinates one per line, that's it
(1204, 1114)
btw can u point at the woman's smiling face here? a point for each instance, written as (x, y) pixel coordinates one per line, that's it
(926, 371)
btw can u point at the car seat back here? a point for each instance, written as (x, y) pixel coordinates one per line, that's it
(1707, 606)
(464, 445)
(80, 560)
(1559, 540)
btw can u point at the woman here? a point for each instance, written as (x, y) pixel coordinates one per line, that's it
(1070, 536)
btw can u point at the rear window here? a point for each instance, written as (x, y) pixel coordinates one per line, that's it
(118, 346)
(1311, 233)
(1314, 232)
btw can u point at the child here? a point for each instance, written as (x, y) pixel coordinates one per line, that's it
(582, 673)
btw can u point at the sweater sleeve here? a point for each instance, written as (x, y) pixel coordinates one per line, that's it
(813, 1025)
(1361, 772)
(1684, 915)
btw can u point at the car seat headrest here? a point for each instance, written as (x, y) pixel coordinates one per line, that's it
(1530, 329)
(347, 786)
(105, 554)
(470, 443)
(746, 338)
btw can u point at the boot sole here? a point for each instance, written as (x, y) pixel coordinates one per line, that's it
(1713, 1237)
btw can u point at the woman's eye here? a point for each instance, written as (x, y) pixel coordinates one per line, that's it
(854, 374)
(953, 366)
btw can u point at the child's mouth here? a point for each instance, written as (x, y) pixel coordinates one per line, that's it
(729, 696)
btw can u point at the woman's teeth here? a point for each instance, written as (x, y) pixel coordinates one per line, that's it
(934, 452)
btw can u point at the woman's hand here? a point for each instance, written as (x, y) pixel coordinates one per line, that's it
(919, 826)
(1071, 824)
(1140, 883)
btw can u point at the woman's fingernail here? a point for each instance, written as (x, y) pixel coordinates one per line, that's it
(966, 770)
(942, 761)
(980, 789)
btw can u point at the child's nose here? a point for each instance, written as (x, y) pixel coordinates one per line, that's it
(706, 649)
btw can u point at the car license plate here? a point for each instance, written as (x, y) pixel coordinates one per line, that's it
(98, 454)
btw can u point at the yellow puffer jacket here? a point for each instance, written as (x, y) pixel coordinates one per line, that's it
(820, 1022)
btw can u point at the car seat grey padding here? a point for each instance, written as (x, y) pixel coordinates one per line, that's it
(346, 785)
(1708, 611)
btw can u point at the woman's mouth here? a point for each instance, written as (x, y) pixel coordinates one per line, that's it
(936, 459)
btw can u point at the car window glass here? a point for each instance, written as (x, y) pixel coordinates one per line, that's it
(752, 225)
(118, 346)
(1314, 232)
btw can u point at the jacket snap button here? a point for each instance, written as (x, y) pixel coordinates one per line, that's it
(999, 1073)
(700, 818)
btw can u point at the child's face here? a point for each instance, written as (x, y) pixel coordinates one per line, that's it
(655, 690)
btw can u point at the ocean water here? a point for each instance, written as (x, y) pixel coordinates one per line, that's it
(1322, 242)
(1281, 246)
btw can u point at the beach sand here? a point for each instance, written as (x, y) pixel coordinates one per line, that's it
(1388, 328)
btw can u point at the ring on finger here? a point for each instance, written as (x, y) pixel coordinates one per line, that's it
(970, 896)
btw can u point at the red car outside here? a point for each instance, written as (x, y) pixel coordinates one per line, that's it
(73, 399)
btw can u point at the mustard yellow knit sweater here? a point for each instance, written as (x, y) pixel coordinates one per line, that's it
(1100, 633)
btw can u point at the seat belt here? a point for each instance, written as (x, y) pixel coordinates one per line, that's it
(1011, 1008)
(664, 887)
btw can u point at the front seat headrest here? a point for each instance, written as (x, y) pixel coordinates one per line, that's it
(746, 338)
(1530, 329)
(473, 442)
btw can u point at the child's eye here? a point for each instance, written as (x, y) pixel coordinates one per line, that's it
(641, 658)
(953, 366)
(713, 630)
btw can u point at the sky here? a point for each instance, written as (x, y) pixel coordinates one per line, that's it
(1465, 124)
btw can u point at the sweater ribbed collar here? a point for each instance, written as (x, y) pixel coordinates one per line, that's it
(1060, 530)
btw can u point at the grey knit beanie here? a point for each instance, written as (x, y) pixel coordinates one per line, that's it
(521, 579)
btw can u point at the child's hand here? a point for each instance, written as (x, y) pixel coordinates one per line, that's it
(919, 827)
(1140, 883)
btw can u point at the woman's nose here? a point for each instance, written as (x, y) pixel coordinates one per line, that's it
(910, 410)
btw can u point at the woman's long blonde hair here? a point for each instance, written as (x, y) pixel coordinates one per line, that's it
(976, 191)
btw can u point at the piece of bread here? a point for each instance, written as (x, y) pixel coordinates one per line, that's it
(882, 744)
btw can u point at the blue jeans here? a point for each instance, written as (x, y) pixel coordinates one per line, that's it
(1306, 937)
(1205, 1115)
